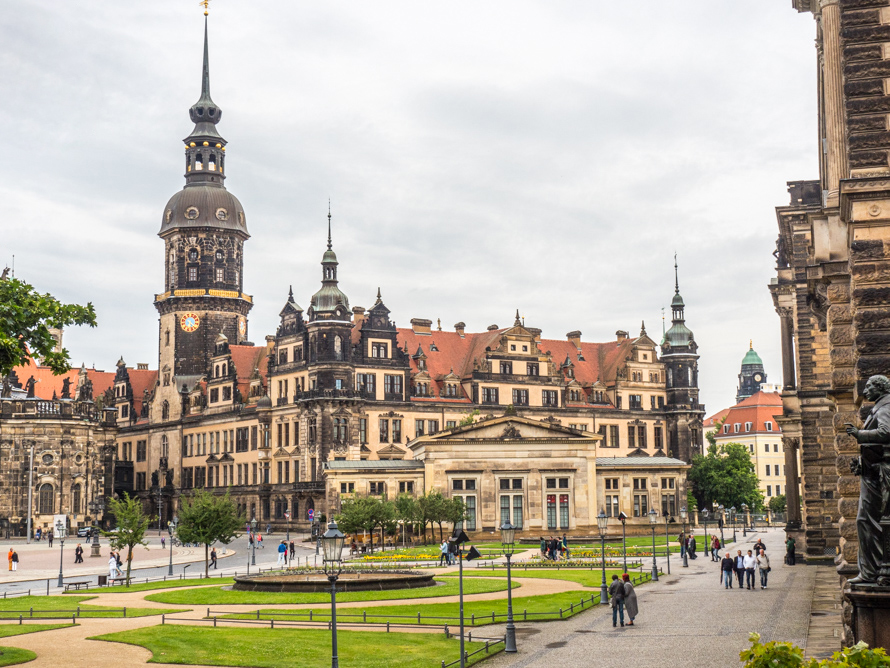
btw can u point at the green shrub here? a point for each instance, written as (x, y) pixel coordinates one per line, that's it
(786, 655)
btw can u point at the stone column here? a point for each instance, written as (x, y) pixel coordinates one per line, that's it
(836, 162)
(792, 482)
(786, 315)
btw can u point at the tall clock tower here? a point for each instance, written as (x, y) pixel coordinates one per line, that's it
(751, 376)
(204, 229)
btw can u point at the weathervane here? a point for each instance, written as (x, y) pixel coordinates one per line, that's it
(206, 4)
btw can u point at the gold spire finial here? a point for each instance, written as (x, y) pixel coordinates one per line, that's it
(750, 344)
(206, 4)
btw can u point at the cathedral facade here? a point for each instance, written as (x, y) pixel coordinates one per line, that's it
(338, 401)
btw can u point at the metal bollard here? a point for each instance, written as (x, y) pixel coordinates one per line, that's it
(271, 623)
(125, 612)
(473, 619)
(163, 619)
(418, 618)
(20, 620)
(446, 631)
(214, 621)
(387, 627)
(470, 637)
(560, 613)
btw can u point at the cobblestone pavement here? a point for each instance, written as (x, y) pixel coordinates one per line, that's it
(686, 617)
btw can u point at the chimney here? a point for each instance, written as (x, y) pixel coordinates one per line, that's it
(621, 335)
(142, 366)
(575, 338)
(422, 326)
(459, 327)
(358, 316)
(536, 332)
(270, 344)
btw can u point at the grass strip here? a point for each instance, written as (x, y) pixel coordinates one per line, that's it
(170, 584)
(583, 577)
(545, 608)
(7, 630)
(12, 656)
(284, 648)
(219, 596)
(62, 607)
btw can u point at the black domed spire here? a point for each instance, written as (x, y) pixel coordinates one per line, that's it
(205, 114)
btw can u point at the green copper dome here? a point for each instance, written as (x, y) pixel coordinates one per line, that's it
(752, 358)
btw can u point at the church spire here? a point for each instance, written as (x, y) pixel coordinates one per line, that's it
(205, 113)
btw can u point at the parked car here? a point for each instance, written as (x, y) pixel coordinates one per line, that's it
(86, 532)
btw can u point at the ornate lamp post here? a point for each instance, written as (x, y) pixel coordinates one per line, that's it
(160, 505)
(333, 540)
(601, 522)
(653, 520)
(623, 518)
(508, 531)
(684, 514)
(732, 519)
(721, 514)
(253, 540)
(171, 529)
(667, 542)
(704, 519)
(60, 534)
(97, 507)
(744, 519)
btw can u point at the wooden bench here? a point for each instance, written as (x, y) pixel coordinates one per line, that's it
(114, 581)
(77, 585)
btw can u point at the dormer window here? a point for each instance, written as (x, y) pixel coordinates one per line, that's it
(282, 356)
(421, 364)
(747, 426)
(379, 350)
(220, 256)
(450, 389)
(507, 368)
(193, 254)
(769, 426)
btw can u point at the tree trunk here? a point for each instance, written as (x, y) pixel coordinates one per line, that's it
(129, 562)
(206, 560)
(371, 533)
(440, 530)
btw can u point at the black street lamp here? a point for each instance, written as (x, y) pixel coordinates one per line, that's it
(623, 518)
(253, 541)
(171, 529)
(732, 519)
(721, 514)
(684, 514)
(333, 540)
(60, 534)
(508, 532)
(704, 519)
(287, 516)
(744, 519)
(601, 521)
(160, 507)
(653, 520)
(96, 506)
(667, 542)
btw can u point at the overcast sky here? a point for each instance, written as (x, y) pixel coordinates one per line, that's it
(480, 157)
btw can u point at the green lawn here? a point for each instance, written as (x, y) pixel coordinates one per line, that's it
(62, 606)
(280, 648)
(581, 576)
(549, 604)
(170, 584)
(219, 596)
(7, 630)
(11, 656)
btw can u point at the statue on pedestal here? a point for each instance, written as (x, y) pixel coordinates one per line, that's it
(873, 467)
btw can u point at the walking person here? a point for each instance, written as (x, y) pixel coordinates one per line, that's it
(630, 599)
(715, 548)
(543, 548)
(565, 547)
(113, 571)
(282, 552)
(50, 537)
(682, 540)
(78, 554)
(727, 566)
(293, 551)
(616, 593)
(9, 556)
(443, 553)
(740, 569)
(213, 557)
(750, 565)
(15, 560)
(763, 565)
(692, 546)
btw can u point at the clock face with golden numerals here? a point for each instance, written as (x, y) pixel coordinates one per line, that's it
(189, 322)
(242, 326)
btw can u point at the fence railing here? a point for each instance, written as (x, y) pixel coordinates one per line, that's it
(59, 614)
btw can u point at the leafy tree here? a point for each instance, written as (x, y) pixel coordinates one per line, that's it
(384, 515)
(470, 418)
(407, 509)
(207, 519)
(725, 475)
(359, 515)
(778, 504)
(455, 511)
(132, 523)
(26, 317)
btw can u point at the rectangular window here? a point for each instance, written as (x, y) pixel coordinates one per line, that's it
(631, 436)
(489, 395)
(517, 511)
(769, 490)
(611, 483)
(505, 508)
(220, 275)
(140, 451)
(193, 274)
(384, 431)
(419, 427)
(747, 426)
(549, 398)
(659, 438)
(347, 487)
(641, 435)
(775, 447)
(612, 505)
(363, 430)
(778, 490)
(286, 472)
(635, 401)
(551, 511)
(652, 402)
(767, 469)
(470, 503)
(507, 368)
(366, 384)
(641, 505)
(406, 487)
(253, 434)
(241, 439)
(668, 483)
(457, 484)
(432, 427)
(396, 431)
(533, 369)
(450, 424)
(392, 384)
(640, 483)
(253, 473)
(766, 447)
(520, 397)
(376, 488)
(769, 426)
(668, 505)
(563, 511)
(776, 469)
(614, 436)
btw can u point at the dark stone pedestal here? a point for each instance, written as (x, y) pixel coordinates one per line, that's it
(871, 614)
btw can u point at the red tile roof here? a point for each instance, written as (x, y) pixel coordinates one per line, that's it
(246, 359)
(47, 383)
(759, 409)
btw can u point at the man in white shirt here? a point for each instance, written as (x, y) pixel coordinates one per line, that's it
(750, 565)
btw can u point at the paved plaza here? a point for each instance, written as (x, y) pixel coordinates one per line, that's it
(686, 616)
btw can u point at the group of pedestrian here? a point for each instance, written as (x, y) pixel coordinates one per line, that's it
(688, 545)
(13, 558)
(39, 534)
(742, 566)
(447, 553)
(555, 549)
(114, 565)
(623, 599)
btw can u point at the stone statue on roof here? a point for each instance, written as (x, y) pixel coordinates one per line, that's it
(873, 469)
(29, 387)
(66, 388)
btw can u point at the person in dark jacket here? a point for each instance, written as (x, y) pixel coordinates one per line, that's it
(740, 569)
(727, 567)
(616, 592)
(78, 554)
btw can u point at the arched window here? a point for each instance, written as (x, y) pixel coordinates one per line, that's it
(165, 446)
(46, 500)
(199, 161)
(211, 163)
(338, 348)
(225, 369)
(75, 499)
(165, 411)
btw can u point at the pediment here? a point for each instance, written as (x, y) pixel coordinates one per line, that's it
(390, 452)
(511, 427)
